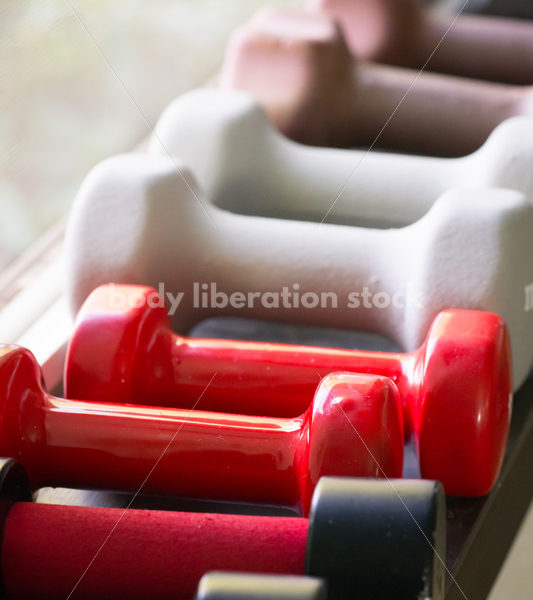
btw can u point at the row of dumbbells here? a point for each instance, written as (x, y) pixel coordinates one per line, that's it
(433, 252)
(121, 357)
(447, 232)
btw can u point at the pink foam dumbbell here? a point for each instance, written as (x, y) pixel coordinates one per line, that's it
(406, 32)
(297, 65)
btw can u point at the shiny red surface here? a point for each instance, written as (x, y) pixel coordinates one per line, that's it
(150, 555)
(456, 389)
(353, 427)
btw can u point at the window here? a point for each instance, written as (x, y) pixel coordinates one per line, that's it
(81, 81)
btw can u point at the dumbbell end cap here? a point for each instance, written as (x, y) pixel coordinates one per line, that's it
(246, 586)
(21, 388)
(14, 487)
(356, 429)
(371, 538)
(14, 484)
(463, 412)
(113, 328)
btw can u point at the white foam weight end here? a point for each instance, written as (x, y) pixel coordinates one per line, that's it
(129, 209)
(480, 245)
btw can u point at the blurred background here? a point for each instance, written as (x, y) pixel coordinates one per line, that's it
(81, 80)
(78, 82)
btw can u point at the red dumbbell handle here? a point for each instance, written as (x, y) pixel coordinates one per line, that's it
(150, 554)
(144, 362)
(211, 455)
(257, 369)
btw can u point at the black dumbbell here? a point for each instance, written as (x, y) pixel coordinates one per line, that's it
(368, 539)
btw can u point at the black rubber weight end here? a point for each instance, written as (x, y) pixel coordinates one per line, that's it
(14, 486)
(374, 539)
(244, 586)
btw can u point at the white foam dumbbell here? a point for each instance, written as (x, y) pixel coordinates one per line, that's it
(245, 165)
(472, 250)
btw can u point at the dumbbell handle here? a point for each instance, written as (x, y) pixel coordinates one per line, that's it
(247, 166)
(150, 554)
(294, 370)
(427, 113)
(357, 187)
(479, 47)
(320, 264)
(408, 33)
(108, 446)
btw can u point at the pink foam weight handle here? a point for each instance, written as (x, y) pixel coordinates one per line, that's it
(406, 32)
(150, 554)
(297, 65)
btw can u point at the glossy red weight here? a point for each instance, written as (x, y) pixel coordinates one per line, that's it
(456, 389)
(353, 427)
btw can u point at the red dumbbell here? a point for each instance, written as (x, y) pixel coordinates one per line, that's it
(353, 427)
(367, 538)
(456, 389)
